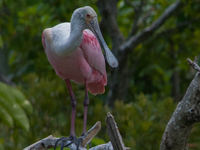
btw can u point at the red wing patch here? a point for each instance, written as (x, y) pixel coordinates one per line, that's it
(89, 38)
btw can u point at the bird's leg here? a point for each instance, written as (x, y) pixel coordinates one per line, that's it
(72, 137)
(85, 104)
(73, 104)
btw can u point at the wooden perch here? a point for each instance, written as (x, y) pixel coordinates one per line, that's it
(186, 114)
(50, 141)
(43, 144)
(113, 133)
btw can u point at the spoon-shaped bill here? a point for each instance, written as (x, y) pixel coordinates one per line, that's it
(110, 58)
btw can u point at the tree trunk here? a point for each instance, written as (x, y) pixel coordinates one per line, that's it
(186, 114)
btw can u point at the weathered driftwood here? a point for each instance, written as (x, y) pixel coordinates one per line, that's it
(50, 141)
(113, 132)
(185, 115)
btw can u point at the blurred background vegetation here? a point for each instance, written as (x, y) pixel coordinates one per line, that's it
(39, 101)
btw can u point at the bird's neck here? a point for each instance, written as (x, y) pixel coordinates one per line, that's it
(75, 38)
(69, 44)
(76, 33)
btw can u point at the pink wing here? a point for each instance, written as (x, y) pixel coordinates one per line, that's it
(94, 56)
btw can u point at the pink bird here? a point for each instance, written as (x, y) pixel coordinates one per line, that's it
(74, 51)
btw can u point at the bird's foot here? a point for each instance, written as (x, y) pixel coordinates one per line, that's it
(69, 140)
(63, 141)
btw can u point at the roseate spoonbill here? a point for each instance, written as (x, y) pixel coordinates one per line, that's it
(74, 52)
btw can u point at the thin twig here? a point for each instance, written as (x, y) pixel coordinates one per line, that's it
(131, 4)
(129, 45)
(138, 12)
(193, 64)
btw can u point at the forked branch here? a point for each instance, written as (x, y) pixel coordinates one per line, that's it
(50, 141)
(113, 132)
(147, 32)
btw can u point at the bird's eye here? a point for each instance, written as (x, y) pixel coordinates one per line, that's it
(88, 15)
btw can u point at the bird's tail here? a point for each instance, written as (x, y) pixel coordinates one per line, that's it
(97, 87)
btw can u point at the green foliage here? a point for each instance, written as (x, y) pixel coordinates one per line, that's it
(194, 139)
(143, 122)
(12, 103)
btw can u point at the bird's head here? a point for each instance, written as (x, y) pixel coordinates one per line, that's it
(85, 15)
(88, 19)
(88, 14)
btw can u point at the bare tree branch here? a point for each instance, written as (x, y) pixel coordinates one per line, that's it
(113, 132)
(131, 4)
(44, 144)
(174, 30)
(194, 65)
(50, 141)
(147, 32)
(186, 114)
(138, 12)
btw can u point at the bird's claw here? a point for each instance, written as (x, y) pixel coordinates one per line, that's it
(64, 140)
(76, 141)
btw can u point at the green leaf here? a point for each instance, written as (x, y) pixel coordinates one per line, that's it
(9, 103)
(22, 101)
(5, 116)
(2, 144)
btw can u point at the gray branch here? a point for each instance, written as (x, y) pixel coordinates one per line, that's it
(114, 134)
(138, 12)
(176, 29)
(131, 4)
(147, 32)
(186, 114)
(50, 141)
(193, 64)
